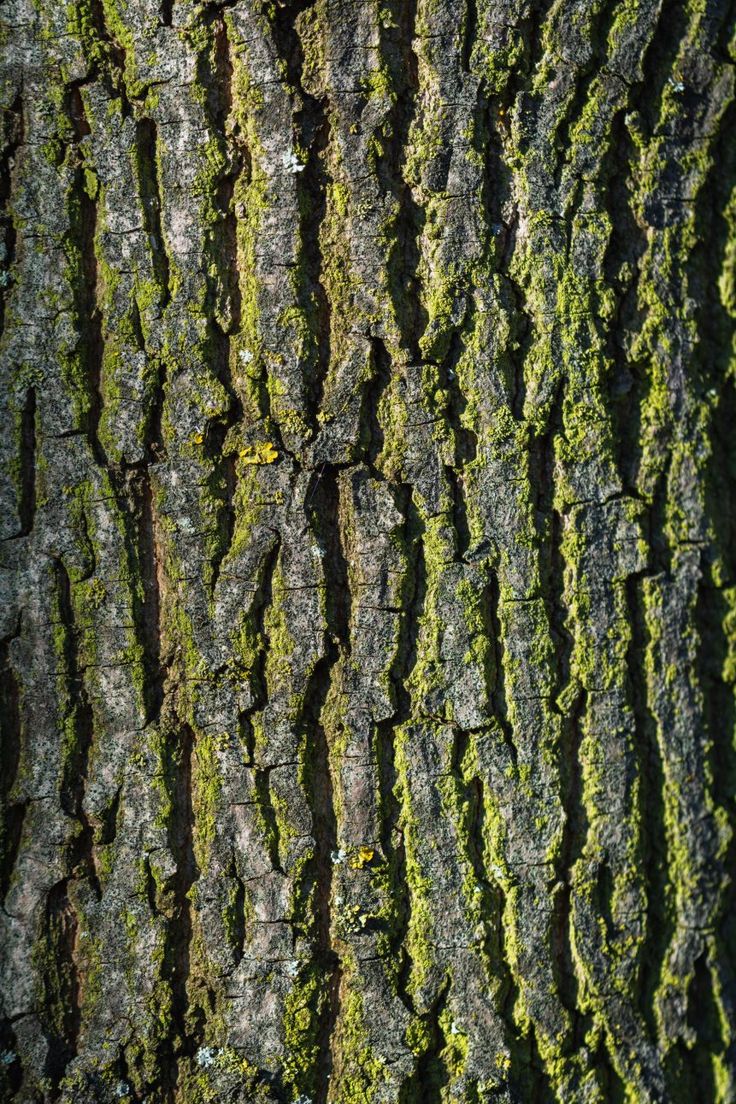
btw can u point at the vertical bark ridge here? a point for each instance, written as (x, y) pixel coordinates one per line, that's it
(179, 935)
(27, 503)
(684, 569)
(13, 810)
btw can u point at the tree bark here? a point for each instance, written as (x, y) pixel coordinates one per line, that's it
(369, 559)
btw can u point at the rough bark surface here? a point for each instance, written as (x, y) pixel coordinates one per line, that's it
(369, 551)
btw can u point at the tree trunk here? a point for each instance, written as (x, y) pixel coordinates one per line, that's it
(369, 560)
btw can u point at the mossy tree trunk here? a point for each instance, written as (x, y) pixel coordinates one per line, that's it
(369, 563)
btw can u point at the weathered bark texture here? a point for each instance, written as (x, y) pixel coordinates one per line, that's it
(369, 559)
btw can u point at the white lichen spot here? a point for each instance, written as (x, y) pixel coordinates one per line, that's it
(206, 1057)
(291, 968)
(122, 1088)
(7, 1057)
(338, 857)
(454, 1029)
(291, 162)
(246, 356)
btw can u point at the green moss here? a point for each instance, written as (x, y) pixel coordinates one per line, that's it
(232, 914)
(496, 64)
(207, 785)
(119, 27)
(727, 278)
(360, 1071)
(304, 1009)
(56, 972)
(420, 942)
(427, 677)
(281, 644)
(393, 416)
(218, 1072)
(455, 1052)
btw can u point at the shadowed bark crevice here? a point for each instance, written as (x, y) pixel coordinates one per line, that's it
(61, 989)
(12, 143)
(180, 746)
(321, 726)
(79, 735)
(146, 149)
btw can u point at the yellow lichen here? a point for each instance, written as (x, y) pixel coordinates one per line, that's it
(363, 856)
(259, 454)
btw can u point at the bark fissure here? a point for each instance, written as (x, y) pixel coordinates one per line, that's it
(149, 184)
(326, 683)
(13, 139)
(79, 733)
